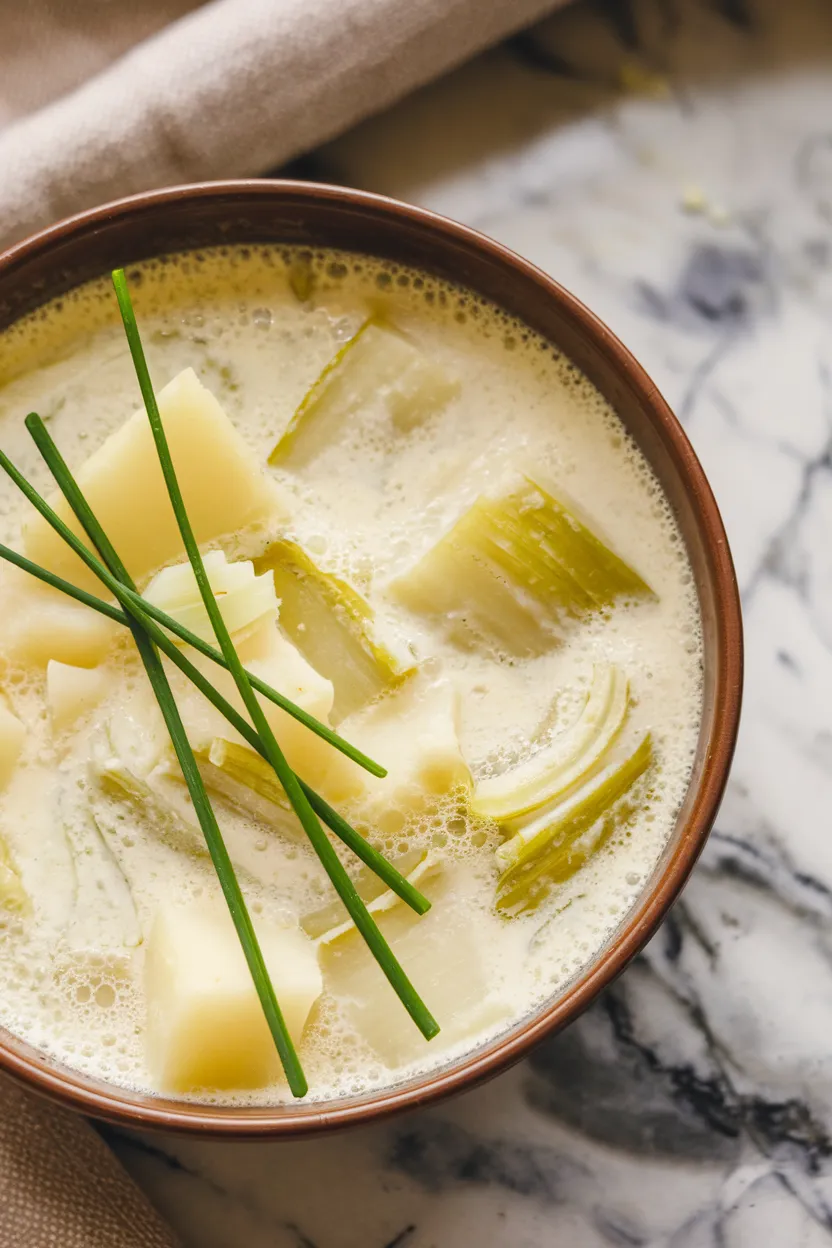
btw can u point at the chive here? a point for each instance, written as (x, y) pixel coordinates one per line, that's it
(330, 861)
(41, 437)
(47, 447)
(136, 604)
(210, 830)
(279, 699)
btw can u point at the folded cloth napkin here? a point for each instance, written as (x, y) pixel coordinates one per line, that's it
(99, 99)
(230, 89)
(61, 1187)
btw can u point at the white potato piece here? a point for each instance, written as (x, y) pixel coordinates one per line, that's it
(412, 732)
(205, 1024)
(72, 691)
(40, 624)
(441, 956)
(222, 485)
(287, 671)
(263, 642)
(12, 736)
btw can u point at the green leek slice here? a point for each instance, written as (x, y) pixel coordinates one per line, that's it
(245, 599)
(120, 783)
(105, 908)
(541, 853)
(571, 756)
(519, 568)
(333, 626)
(332, 922)
(377, 364)
(238, 774)
(235, 773)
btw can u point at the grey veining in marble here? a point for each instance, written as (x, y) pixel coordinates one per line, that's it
(671, 162)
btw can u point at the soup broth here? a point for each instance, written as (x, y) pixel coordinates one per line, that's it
(421, 463)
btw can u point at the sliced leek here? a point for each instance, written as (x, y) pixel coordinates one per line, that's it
(332, 922)
(518, 568)
(118, 781)
(536, 855)
(568, 759)
(376, 365)
(333, 626)
(245, 599)
(105, 909)
(237, 773)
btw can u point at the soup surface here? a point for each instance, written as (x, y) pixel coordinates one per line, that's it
(406, 503)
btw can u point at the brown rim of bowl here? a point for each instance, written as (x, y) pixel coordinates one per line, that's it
(715, 575)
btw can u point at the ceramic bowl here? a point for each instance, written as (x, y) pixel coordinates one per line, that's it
(180, 218)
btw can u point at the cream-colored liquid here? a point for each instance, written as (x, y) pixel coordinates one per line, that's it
(70, 977)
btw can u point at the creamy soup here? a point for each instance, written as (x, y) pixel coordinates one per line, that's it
(428, 529)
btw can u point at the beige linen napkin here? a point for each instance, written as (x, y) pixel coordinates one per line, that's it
(232, 88)
(89, 113)
(61, 1187)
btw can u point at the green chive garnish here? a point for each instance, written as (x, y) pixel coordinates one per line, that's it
(196, 788)
(140, 612)
(342, 883)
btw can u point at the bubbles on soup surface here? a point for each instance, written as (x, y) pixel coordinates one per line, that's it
(259, 324)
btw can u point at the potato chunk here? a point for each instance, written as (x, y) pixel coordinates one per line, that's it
(41, 624)
(205, 1024)
(12, 736)
(288, 672)
(71, 692)
(413, 733)
(222, 485)
(444, 960)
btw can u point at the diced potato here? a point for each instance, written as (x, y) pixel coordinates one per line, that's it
(205, 1024)
(413, 733)
(376, 366)
(12, 736)
(71, 692)
(518, 568)
(263, 642)
(40, 624)
(246, 601)
(222, 485)
(333, 626)
(441, 956)
(287, 671)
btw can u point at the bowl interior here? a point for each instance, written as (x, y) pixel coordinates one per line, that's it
(285, 212)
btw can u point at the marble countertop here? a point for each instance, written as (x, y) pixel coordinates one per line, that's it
(671, 162)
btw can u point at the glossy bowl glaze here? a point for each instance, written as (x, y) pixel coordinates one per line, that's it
(182, 218)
